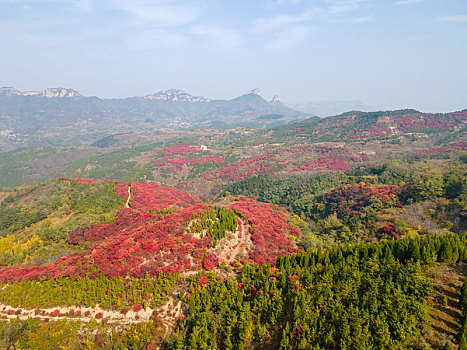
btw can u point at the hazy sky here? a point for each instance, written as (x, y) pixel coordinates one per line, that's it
(386, 53)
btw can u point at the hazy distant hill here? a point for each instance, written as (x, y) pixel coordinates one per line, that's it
(62, 116)
(327, 108)
(355, 125)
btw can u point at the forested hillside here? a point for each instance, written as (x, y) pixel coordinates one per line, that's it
(241, 239)
(201, 160)
(339, 259)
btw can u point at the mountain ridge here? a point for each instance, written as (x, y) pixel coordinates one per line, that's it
(171, 94)
(59, 116)
(354, 125)
(58, 92)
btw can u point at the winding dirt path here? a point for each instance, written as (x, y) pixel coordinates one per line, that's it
(169, 313)
(127, 204)
(234, 246)
(70, 313)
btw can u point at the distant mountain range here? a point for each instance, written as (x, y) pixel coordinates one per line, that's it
(58, 116)
(328, 108)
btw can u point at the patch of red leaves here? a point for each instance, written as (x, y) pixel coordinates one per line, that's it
(135, 244)
(460, 146)
(348, 200)
(139, 243)
(269, 230)
(152, 196)
(182, 149)
(374, 131)
(173, 158)
(390, 230)
(210, 262)
(243, 169)
(332, 159)
(424, 121)
(203, 280)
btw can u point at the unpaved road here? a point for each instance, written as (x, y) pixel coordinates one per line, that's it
(86, 314)
(127, 204)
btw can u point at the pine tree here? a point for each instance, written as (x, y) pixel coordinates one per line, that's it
(447, 346)
(285, 344)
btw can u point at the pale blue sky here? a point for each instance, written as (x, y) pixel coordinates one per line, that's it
(387, 53)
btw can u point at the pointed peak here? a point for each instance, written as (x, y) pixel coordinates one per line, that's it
(275, 99)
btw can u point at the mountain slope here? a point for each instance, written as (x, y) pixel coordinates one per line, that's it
(168, 271)
(161, 230)
(354, 126)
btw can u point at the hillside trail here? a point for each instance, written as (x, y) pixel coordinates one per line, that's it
(69, 313)
(170, 313)
(235, 248)
(127, 204)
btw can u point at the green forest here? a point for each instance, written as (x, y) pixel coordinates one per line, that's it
(354, 207)
(359, 279)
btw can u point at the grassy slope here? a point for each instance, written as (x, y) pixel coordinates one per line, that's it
(34, 165)
(36, 220)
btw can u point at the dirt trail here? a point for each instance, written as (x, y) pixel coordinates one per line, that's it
(127, 204)
(169, 313)
(235, 245)
(70, 313)
(3, 195)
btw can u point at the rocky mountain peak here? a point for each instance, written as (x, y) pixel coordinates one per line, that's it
(59, 92)
(255, 92)
(9, 91)
(47, 93)
(175, 95)
(275, 99)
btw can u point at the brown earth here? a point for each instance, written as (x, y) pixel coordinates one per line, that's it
(445, 319)
(3, 195)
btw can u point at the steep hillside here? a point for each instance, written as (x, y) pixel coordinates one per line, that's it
(35, 222)
(90, 263)
(160, 229)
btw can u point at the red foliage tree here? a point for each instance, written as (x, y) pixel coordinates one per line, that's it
(269, 230)
(210, 262)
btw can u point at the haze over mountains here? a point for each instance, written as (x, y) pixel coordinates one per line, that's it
(64, 116)
(327, 108)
